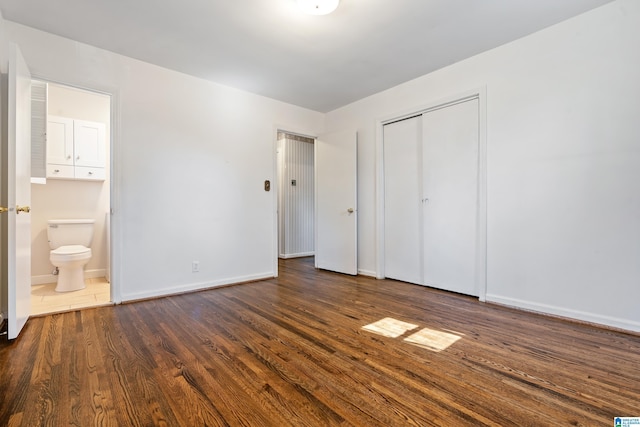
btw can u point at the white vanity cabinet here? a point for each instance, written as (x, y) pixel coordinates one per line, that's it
(75, 149)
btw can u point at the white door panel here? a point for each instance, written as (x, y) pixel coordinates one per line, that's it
(336, 202)
(402, 207)
(450, 197)
(18, 180)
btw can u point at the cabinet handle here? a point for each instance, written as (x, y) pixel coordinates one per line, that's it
(69, 157)
(56, 170)
(90, 173)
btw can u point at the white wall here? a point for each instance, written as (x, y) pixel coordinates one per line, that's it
(64, 199)
(563, 159)
(190, 159)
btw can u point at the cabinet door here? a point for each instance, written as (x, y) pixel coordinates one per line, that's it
(59, 140)
(89, 143)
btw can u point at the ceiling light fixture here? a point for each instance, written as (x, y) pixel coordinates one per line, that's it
(318, 7)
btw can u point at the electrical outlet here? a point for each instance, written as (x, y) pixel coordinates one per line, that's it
(195, 267)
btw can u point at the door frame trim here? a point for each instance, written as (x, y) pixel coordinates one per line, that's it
(481, 234)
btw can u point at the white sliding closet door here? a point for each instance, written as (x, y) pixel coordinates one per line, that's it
(450, 197)
(402, 210)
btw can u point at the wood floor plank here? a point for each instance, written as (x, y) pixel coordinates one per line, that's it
(45, 377)
(99, 395)
(293, 351)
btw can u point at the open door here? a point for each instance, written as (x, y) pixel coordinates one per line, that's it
(17, 178)
(336, 202)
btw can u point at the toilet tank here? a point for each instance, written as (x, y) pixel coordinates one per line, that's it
(64, 232)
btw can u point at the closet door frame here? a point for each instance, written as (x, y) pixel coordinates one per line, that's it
(481, 233)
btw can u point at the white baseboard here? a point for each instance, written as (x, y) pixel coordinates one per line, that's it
(599, 319)
(51, 278)
(190, 287)
(367, 273)
(298, 255)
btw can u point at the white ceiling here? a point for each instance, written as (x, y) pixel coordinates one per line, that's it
(268, 48)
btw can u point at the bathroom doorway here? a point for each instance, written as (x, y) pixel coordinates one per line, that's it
(296, 197)
(65, 187)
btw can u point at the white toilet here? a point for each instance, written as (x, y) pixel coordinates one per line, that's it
(70, 242)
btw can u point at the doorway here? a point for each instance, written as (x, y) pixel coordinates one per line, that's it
(335, 197)
(61, 189)
(296, 200)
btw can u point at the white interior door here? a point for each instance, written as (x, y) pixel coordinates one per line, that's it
(402, 206)
(336, 202)
(18, 180)
(450, 197)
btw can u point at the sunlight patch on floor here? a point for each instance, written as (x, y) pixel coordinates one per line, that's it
(389, 327)
(427, 338)
(432, 339)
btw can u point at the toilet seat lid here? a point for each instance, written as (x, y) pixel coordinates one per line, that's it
(71, 250)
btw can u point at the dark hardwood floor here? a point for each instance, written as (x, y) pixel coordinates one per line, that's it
(292, 351)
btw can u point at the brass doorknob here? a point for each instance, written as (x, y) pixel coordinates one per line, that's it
(3, 209)
(25, 209)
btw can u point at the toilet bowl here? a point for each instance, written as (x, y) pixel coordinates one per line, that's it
(70, 241)
(70, 261)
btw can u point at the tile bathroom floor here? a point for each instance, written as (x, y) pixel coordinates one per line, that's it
(45, 300)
